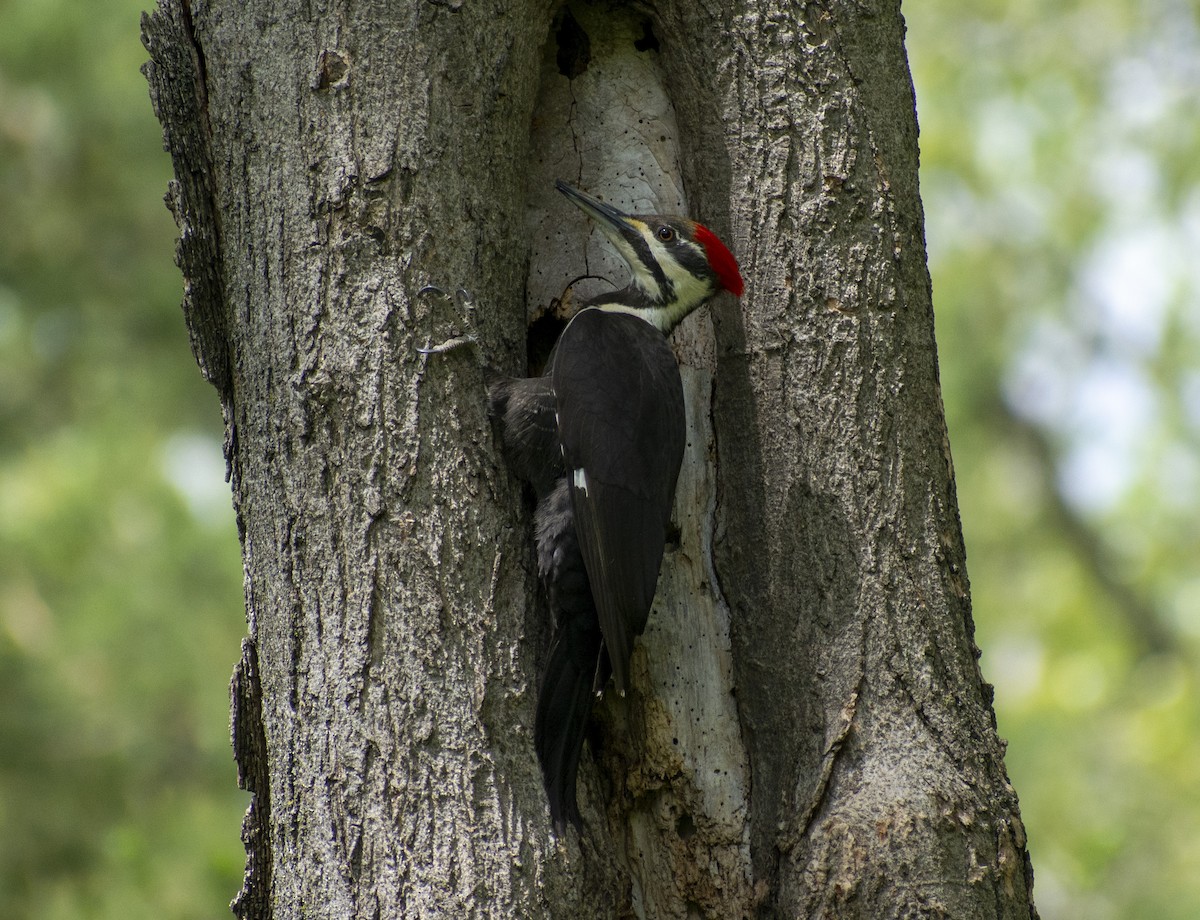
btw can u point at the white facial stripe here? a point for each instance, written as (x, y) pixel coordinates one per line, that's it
(641, 277)
(579, 477)
(688, 288)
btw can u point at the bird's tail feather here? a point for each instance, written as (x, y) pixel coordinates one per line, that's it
(564, 704)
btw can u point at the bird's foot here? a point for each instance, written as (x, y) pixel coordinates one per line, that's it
(449, 345)
(465, 303)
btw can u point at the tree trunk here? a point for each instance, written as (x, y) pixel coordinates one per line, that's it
(809, 733)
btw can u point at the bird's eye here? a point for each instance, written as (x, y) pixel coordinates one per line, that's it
(666, 234)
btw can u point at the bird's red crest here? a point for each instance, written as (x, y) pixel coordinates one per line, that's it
(721, 260)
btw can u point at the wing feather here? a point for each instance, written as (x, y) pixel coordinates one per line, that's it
(621, 425)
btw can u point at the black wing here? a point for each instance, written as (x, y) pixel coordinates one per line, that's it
(621, 425)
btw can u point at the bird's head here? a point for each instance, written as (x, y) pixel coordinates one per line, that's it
(676, 263)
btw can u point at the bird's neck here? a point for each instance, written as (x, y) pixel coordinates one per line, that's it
(663, 315)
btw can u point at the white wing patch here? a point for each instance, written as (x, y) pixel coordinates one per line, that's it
(579, 477)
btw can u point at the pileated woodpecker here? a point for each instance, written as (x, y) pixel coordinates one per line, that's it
(600, 437)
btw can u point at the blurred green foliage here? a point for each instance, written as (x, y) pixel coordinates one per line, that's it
(1060, 172)
(1062, 190)
(120, 585)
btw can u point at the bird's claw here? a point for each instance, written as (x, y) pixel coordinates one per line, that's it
(448, 345)
(461, 297)
(465, 302)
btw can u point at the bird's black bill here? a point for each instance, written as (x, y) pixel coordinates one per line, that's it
(596, 209)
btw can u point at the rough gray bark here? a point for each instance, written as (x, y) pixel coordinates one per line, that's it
(809, 733)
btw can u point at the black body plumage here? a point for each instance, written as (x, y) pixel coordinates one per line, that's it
(605, 482)
(601, 438)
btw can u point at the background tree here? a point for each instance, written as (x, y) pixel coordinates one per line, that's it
(1055, 149)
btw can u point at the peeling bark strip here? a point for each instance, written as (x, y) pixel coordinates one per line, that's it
(253, 902)
(808, 732)
(176, 75)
